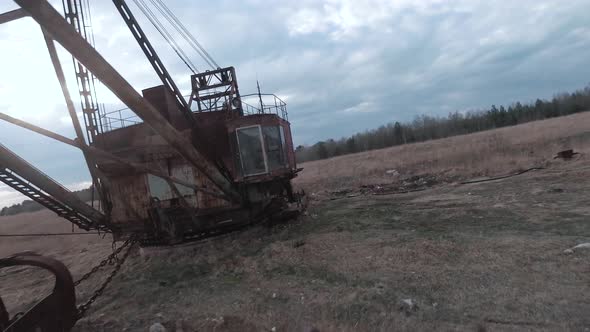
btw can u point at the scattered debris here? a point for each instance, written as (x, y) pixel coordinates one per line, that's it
(501, 177)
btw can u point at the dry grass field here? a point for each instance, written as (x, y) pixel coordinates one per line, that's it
(476, 257)
(481, 154)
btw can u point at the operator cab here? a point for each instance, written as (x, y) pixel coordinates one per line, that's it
(257, 126)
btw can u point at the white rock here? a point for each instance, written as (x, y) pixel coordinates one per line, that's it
(274, 329)
(157, 327)
(408, 305)
(568, 251)
(409, 302)
(274, 295)
(392, 172)
(582, 246)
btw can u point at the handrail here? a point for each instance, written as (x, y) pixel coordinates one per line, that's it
(116, 119)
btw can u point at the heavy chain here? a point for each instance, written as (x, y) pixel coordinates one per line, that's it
(111, 259)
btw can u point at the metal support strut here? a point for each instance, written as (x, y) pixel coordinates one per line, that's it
(62, 32)
(153, 58)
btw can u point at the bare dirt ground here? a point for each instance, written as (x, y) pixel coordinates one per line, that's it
(486, 256)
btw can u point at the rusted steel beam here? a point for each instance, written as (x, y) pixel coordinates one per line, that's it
(97, 181)
(62, 32)
(10, 160)
(37, 129)
(104, 154)
(13, 15)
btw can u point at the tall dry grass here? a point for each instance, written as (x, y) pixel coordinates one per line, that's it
(485, 153)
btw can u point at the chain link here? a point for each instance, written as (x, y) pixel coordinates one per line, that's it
(111, 259)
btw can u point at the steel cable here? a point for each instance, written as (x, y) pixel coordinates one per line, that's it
(165, 34)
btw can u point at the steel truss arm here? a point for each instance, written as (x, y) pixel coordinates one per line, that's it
(62, 32)
(13, 15)
(11, 161)
(97, 180)
(99, 153)
(153, 57)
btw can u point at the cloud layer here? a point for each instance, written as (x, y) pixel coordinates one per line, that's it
(343, 66)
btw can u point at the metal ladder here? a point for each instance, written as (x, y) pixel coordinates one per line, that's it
(24, 187)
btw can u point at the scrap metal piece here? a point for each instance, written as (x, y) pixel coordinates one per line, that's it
(566, 154)
(57, 311)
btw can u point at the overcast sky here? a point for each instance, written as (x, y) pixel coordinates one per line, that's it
(342, 66)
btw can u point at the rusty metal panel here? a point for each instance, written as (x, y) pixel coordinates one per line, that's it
(290, 148)
(133, 190)
(206, 201)
(181, 170)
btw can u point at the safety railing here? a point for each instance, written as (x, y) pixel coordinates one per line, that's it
(264, 104)
(117, 119)
(255, 104)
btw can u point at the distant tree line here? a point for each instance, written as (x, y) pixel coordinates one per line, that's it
(426, 127)
(31, 206)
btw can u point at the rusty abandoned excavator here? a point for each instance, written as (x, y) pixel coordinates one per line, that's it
(166, 170)
(173, 170)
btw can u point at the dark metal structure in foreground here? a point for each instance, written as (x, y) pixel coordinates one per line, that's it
(177, 169)
(55, 312)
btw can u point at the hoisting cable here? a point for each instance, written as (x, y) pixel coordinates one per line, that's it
(184, 32)
(49, 234)
(165, 34)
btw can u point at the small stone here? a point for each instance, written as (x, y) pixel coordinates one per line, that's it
(157, 327)
(568, 251)
(218, 321)
(274, 329)
(408, 306)
(274, 295)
